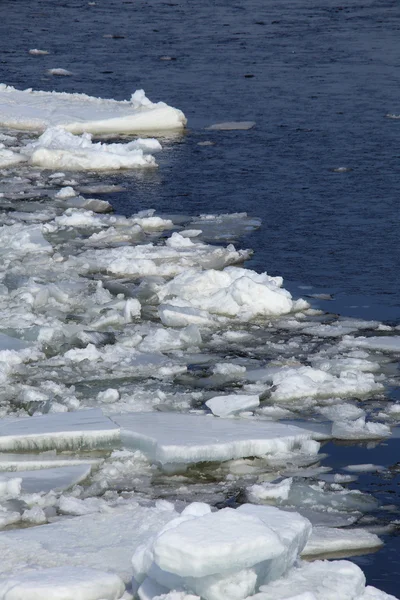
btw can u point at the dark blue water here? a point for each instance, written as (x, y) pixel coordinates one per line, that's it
(318, 79)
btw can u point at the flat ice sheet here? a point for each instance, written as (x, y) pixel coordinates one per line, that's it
(104, 541)
(186, 438)
(80, 113)
(328, 541)
(62, 583)
(62, 431)
(58, 479)
(30, 462)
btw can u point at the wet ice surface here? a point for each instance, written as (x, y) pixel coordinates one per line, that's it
(87, 297)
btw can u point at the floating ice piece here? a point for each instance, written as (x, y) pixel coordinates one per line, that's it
(325, 580)
(222, 555)
(79, 113)
(60, 72)
(215, 542)
(385, 343)
(293, 383)
(359, 430)
(21, 239)
(59, 149)
(293, 530)
(176, 596)
(149, 259)
(270, 491)
(233, 292)
(25, 462)
(62, 583)
(57, 479)
(9, 343)
(232, 125)
(302, 494)
(63, 431)
(328, 541)
(342, 411)
(222, 406)
(187, 438)
(364, 468)
(104, 541)
(8, 158)
(37, 52)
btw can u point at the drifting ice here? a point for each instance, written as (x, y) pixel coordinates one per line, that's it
(79, 113)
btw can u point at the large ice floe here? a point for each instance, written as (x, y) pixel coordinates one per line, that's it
(162, 406)
(79, 113)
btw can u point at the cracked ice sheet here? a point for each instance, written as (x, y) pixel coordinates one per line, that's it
(80, 113)
(171, 438)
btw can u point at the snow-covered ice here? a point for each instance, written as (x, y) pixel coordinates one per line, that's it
(63, 583)
(57, 148)
(79, 113)
(222, 406)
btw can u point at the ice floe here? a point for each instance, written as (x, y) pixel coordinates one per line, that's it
(79, 113)
(330, 542)
(57, 148)
(185, 438)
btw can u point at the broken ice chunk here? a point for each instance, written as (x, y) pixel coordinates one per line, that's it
(222, 406)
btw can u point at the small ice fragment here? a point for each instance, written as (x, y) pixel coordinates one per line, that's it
(37, 52)
(232, 126)
(364, 468)
(66, 192)
(222, 406)
(59, 72)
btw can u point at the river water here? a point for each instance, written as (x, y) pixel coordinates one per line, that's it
(320, 167)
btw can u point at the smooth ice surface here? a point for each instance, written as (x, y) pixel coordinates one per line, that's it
(67, 430)
(330, 540)
(58, 479)
(385, 343)
(232, 125)
(62, 583)
(186, 438)
(79, 113)
(30, 462)
(215, 542)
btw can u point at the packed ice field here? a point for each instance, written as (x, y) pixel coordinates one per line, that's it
(163, 407)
